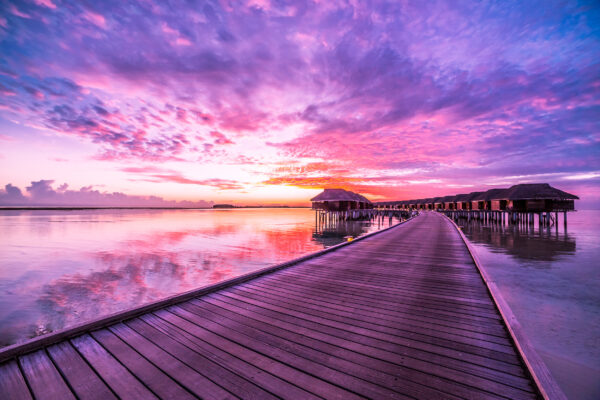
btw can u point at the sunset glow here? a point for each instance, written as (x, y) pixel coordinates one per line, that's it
(260, 102)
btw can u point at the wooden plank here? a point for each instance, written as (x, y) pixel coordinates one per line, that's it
(453, 298)
(476, 385)
(330, 348)
(384, 310)
(43, 378)
(374, 304)
(415, 308)
(274, 366)
(12, 383)
(327, 367)
(374, 288)
(416, 281)
(82, 379)
(116, 376)
(380, 332)
(200, 374)
(406, 312)
(371, 348)
(259, 376)
(409, 292)
(386, 319)
(159, 382)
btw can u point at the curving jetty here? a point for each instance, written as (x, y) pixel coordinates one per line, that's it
(402, 313)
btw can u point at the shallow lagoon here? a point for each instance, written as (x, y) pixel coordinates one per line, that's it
(60, 268)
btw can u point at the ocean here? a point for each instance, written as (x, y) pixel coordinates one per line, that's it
(61, 268)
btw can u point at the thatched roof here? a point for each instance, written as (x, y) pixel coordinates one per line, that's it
(527, 191)
(340, 195)
(448, 199)
(467, 197)
(444, 199)
(460, 197)
(491, 194)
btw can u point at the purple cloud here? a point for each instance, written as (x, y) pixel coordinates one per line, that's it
(42, 193)
(437, 89)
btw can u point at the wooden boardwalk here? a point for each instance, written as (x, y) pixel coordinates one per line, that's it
(401, 314)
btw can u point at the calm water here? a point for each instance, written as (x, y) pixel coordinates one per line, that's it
(551, 280)
(60, 268)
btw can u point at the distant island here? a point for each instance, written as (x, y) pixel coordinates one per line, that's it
(255, 206)
(75, 208)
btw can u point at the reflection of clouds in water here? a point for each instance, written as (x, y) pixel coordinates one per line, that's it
(84, 272)
(149, 268)
(126, 280)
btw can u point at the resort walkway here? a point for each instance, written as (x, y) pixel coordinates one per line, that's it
(401, 314)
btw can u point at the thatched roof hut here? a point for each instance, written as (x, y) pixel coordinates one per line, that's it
(530, 191)
(536, 197)
(340, 200)
(334, 195)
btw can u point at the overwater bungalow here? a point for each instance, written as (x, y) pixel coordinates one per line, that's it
(434, 203)
(439, 202)
(422, 204)
(534, 197)
(448, 202)
(463, 201)
(340, 200)
(483, 201)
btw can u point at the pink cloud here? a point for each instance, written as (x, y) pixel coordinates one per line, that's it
(45, 3)
(182, 42)
(15, 11)
(156, 174)
(220, 138)
(95, 18)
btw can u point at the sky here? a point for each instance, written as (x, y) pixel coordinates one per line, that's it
(268, 102)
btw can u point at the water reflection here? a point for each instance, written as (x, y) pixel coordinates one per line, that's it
(526, 242)
(58, 268)
(332, 233)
